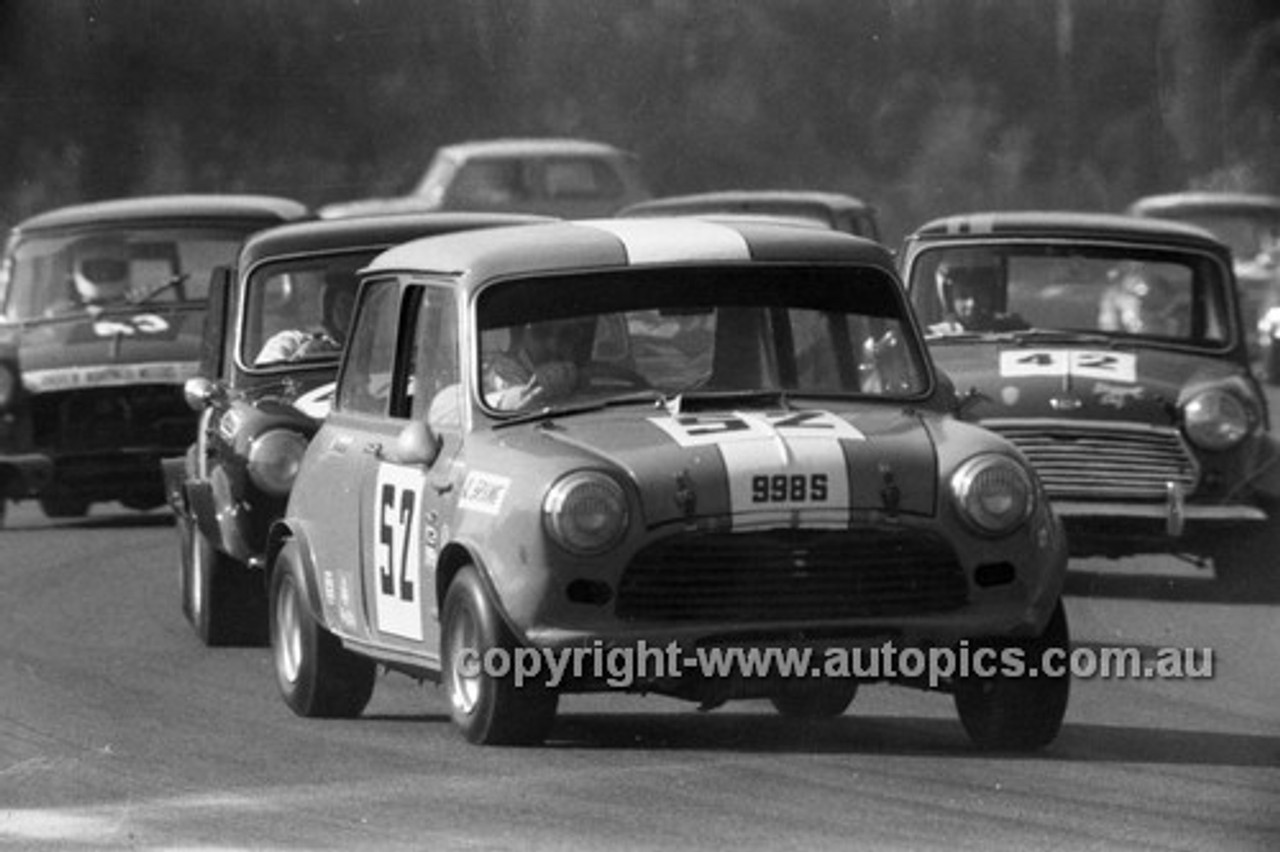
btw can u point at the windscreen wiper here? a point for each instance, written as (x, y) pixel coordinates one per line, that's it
(144, 296)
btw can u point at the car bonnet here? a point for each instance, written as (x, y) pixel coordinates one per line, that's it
(807, 466)
(1088, 381)
(144, 343)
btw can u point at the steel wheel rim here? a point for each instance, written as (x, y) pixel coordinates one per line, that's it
(288, 644)
(464, 688)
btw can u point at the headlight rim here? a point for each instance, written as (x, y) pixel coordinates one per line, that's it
(556, 498)
(966, 473)
(260, 470)
(1198, 438)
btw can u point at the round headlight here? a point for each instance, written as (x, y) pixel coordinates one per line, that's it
(8, 384)
(994, 493)
(1215, 419)
(274, 458)
(585, 512)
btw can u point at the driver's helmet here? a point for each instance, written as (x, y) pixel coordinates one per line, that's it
(100, 270)
(968, 287)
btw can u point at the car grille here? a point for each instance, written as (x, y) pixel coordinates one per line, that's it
(115, 418)
(1105, 460)
(791, 575)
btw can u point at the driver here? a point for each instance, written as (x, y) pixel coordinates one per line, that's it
(972, 296)
(337, 305)
(100, 271)
(543, 364)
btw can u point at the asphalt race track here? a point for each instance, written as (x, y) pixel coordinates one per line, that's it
(118, 730)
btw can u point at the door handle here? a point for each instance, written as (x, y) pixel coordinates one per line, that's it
(374, 449)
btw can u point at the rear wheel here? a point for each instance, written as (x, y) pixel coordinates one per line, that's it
(316, 675)
(489, 710)
(1019, 713)
(224, 601)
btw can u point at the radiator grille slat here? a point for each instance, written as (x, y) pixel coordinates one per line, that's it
(791, 575)
(1103, 461)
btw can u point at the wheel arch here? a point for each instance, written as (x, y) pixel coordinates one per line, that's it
(453, 558)
(282, 532)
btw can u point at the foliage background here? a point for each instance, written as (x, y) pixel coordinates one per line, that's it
(923, 107)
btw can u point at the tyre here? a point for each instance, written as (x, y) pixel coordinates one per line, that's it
(1272, 370)
(1245, 559)
(488, 710)
(1018, 713)
(64, 507)
(224, 601)
(316, 675)
(819, 700)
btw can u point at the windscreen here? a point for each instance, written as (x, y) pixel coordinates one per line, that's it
(70, 273)
(826, 331)
(1164, 296)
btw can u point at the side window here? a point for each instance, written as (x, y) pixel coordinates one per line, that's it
(366, 379)
(436, 387)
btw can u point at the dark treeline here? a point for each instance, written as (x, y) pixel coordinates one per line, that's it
(921, 106)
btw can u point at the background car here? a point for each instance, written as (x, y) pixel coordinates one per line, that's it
(1112, 352)
(824, 209)
(1249, 223)
(630, 433)
(567, 178)
(101, 307)
(258, 409)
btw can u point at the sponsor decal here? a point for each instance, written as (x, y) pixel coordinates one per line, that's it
(346, 613)
(1089, 364)
(317, 401)
(229, 425)
(109, 375)
(139, 325)
(778, 465)
(484, 492)
(1118, 396)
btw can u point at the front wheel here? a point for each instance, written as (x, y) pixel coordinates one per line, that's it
(489, 709)
(224, 601)
(1019, 713)
(316, 675)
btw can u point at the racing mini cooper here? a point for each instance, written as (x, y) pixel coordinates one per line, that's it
(101, 307)
(274, 333)
(622, 435)
(1111, 351)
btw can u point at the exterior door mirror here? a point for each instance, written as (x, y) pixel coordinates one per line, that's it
(417, 444)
